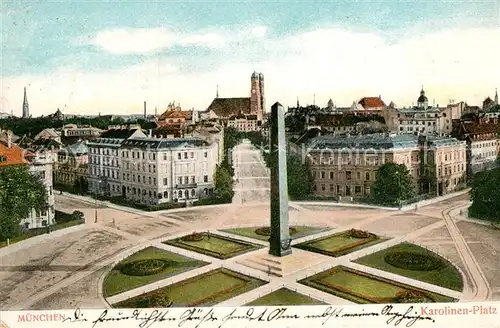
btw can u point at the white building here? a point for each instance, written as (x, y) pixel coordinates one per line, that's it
(103, 152)
(42, 168)
(158, 170)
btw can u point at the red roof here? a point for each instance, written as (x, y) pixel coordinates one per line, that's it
(13, 155)
(371, 102)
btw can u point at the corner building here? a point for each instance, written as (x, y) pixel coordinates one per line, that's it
(157, 170)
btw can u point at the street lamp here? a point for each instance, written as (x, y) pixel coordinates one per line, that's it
(399, 189)
(96, 194)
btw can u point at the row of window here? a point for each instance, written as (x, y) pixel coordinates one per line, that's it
(138, 166)
(103, 151)
(339, 190)
(340, 175)
(152, 156)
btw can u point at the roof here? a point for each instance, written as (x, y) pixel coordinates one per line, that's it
(475, 128)
(79, 148)
(118, 133)
(163, 143)
(49, 132)
(13, 155)
(371, 102)
(370, 141)
(106, 141)
(45, 144)
(225, 107)
(438, 142)
(170, 114)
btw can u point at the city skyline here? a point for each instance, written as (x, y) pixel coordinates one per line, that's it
(98, 57)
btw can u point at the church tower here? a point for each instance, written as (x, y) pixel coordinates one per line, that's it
(496, 97)
(26, 107)
(255, 94)
(422, 101)
(260, 113)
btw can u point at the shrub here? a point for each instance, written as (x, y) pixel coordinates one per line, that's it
(143, 267)
(412, 296)
(359, 233)
(196, 236)
(266, 231)
(414, 261)
(153, 300)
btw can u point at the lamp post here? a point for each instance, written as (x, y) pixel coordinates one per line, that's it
(97, 193)
(399, 189)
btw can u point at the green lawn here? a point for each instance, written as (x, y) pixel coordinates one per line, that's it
(447, 277)
(205, 290)
(339, 244)
(116, 282)
(249, 232)
(216, 246)
(284, 297)
(360, 287)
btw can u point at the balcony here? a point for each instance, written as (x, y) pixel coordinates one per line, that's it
(186, 185)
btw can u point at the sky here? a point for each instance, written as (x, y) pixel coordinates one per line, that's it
(87, 57)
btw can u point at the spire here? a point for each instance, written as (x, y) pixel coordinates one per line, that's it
(26, 107)
(298, 104)
(217, 92)
(496, 96)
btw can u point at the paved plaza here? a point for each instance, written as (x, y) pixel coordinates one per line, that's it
(68, 270)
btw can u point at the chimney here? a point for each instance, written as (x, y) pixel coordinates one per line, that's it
(9, 139)
(145, 112)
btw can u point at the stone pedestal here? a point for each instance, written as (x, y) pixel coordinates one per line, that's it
(279, 242)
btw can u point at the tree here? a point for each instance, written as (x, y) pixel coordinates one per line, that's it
(20, 192)
(223, 184)
(485, 197)
(299, 178)
(392, 185)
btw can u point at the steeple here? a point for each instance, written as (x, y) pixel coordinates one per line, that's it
(26, 107)
(217, 92)
(496, 96)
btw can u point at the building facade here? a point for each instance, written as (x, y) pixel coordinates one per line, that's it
(72, 165)
(346, 166)
(157, 170)
(104, 158)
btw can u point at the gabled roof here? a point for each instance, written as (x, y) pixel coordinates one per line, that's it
(225, 107)
(155, 143)
(175, 114)
(13, 155)
(118, 133)
(79, 148)
(371, 102)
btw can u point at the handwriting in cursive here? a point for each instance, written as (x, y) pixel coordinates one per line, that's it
(146, 320)
(399, 317)
(260, 315)
(196, 315)
(78, 317)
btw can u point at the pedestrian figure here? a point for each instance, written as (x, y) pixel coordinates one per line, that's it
(114, 223)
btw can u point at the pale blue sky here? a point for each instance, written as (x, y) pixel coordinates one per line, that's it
(39, 38)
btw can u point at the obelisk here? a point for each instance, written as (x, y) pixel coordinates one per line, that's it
(279, 242)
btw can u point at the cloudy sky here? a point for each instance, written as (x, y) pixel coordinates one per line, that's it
(109, 57)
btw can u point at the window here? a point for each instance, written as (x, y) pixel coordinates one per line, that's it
(179, 156)
(165, 194)
(348, 175)
(193, 193)
(331, 188)
(179, 180)
(133, 177)
(205, 178)
(357, 189)
(323, 188)
(358, 175)
(149, 167)
(149, 180)
(193, 179)
(165, 181)
(206, 154)
(192, 155)
(186, 180)
(164, 156)
(322, 174)
(331, 175)
(179, 194)
(367, 176)
(160, 195)
(185, 155)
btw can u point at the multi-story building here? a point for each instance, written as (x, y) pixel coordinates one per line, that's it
(86, 131)
(428, 120)
(11, 154)
(158, 170)
(347, 165)
(104, 159)
(72, 164)
(243, 123)
(442, 165)
(482, 139)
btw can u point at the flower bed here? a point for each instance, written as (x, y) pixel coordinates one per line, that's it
(414, 261)
(143, 267)
(193, 237)
(360, 234)
(266, 231)
(154, 300)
